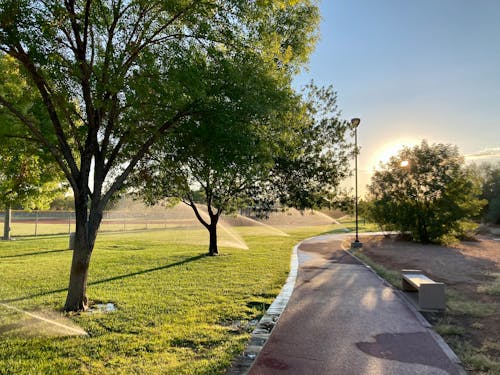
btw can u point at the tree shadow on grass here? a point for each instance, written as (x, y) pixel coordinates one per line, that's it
(35, 253)
(149, 270)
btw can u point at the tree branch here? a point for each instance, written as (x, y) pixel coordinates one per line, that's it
(43, 88)
(39, 136)
(141, 152)
(197, 213)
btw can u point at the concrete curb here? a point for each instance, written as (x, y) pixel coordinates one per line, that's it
(439, 340)
(242, 363)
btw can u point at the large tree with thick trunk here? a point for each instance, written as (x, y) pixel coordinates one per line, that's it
(115, 75)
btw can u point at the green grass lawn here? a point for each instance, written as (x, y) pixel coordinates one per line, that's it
(349, 222)
(178, 311)
(43, 229)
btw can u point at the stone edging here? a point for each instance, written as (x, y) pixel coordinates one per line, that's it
(262, 331)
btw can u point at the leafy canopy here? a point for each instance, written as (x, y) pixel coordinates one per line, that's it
(29, 177)
(425, 190)
(257, 147)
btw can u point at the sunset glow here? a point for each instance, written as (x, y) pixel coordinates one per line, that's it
(387, 150)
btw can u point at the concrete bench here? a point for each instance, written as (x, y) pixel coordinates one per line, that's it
(431, 294)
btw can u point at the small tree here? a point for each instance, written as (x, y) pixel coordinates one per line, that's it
(26, 180)
(243, 153)
(425, 190)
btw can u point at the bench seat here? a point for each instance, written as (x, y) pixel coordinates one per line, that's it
(431, 294)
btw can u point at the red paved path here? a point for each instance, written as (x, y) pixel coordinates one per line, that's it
(343, 319)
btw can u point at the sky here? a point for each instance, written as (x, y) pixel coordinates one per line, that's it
(413, 70)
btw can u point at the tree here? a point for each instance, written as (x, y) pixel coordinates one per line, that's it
(489, 175)
(26, 180)
(315, 156)
(62, 202)
(29, 178)
(116, 75)
(243, 152)
(425, 190)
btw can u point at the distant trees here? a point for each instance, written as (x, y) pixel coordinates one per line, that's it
(115, 76)
(252, 147)
(489, 175)
(424, 190)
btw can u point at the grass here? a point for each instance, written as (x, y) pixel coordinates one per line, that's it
(178, 311)
(458, 304)
(19, 229)
(349, 222)
(492, 288)
(393, 277)
(449, 329)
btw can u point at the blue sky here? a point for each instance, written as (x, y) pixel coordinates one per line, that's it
(413, 70)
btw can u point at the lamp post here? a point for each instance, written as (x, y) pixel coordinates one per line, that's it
(355, 122)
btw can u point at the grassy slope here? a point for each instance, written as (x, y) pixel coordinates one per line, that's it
(178, 312)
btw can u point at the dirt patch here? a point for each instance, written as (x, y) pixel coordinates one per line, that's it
(468, 262)
(471, 323)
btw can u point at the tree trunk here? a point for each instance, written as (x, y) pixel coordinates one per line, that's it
(212, 248)
(422, 230)
(76, 299)
(86, 232)
(6, 223)
(211, 226)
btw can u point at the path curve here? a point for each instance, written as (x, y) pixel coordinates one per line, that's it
(343, 319)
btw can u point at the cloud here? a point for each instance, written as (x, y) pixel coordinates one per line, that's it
(487, 153)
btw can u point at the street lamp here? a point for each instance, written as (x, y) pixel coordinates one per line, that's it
(355, 122)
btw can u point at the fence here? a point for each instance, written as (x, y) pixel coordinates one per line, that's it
(41, 223)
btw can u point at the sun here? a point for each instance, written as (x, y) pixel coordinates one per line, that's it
(389, 149)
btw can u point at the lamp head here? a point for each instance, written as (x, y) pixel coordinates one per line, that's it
(355, 122)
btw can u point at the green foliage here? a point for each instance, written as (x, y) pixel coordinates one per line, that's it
(26, 181)
(428, 195)
(29, 178)
(62, 203)
(254, 143)
(489, 174)
(115, 76)
(226, 145)
(313, 156)
(223, 150)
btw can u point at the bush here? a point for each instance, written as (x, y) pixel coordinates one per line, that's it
(427, 191)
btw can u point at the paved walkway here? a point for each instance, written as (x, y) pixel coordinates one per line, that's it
(343, 319)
